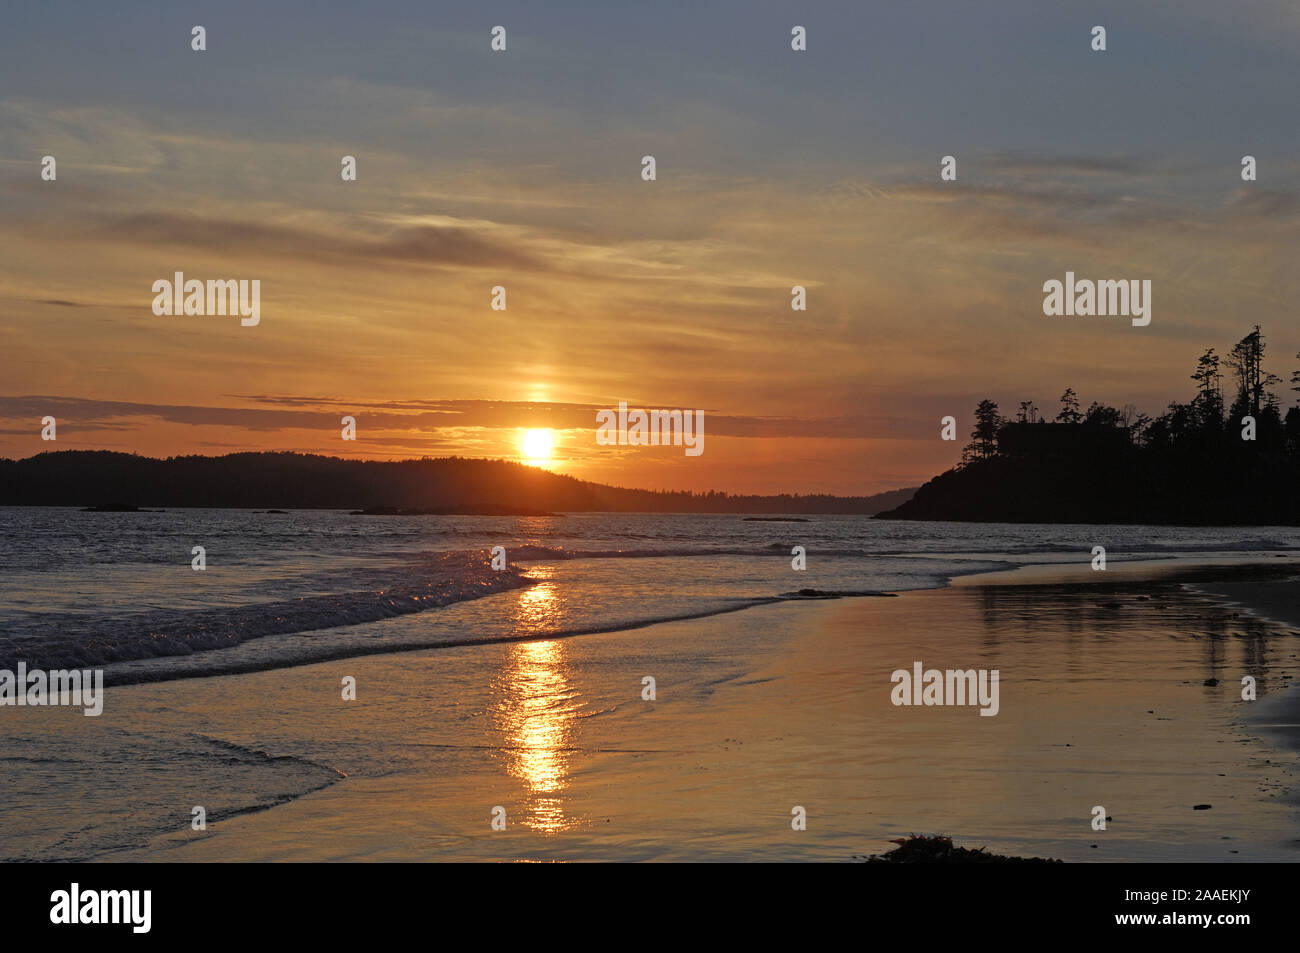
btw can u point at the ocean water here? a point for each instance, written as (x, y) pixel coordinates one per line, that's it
(496, 699)
(116, 590)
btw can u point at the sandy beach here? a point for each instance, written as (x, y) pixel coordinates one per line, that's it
(1104, 701)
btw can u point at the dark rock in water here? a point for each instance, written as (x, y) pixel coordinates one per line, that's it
(276, 512)
(1201, 807)
(824, 594)
(939, 850)
(1211, 682)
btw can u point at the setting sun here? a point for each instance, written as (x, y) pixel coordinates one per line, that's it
(537, 444)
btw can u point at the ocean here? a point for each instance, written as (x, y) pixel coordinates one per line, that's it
(118, 591)
(522, 688)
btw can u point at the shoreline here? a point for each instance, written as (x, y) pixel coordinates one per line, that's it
(757, 711)
(154, 669)
(1105, 700)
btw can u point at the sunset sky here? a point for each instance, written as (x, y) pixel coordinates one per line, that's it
(522, 169)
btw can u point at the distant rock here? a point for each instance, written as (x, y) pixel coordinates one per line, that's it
(823, 594)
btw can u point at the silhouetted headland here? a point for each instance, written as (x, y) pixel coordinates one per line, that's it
(306, 481)
(1196, 464)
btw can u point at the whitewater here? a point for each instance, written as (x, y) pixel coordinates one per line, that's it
(117, 591)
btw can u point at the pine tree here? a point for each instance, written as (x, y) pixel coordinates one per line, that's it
(1069, 408)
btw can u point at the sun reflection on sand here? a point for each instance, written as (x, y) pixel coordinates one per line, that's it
(535, 708)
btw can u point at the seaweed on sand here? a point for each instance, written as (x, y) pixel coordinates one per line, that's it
(919, 849)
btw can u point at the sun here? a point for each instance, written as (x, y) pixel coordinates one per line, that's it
(537, 444)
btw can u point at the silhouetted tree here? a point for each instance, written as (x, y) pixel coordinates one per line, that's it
(1138, 426)
(1099, 415)
(1069, 408)
(984, 438)
(1209, 398)
(1247, 361)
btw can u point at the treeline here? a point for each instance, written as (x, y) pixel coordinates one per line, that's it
(307, 481)
(1229, 455)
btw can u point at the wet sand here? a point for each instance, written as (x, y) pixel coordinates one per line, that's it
(1102, 702)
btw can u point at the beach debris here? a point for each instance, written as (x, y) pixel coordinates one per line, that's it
(1201, 807)
(937, 849)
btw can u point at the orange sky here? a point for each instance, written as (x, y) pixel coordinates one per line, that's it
(923, 296)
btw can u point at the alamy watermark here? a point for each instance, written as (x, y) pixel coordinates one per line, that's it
(75, 906)
(1085, 298)
(651, 428)
(77, 688)
(946, 687)
(213, 297)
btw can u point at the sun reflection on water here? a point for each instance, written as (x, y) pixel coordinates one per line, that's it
(535, 708)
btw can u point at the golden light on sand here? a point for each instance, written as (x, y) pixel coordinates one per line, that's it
(537, 444)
